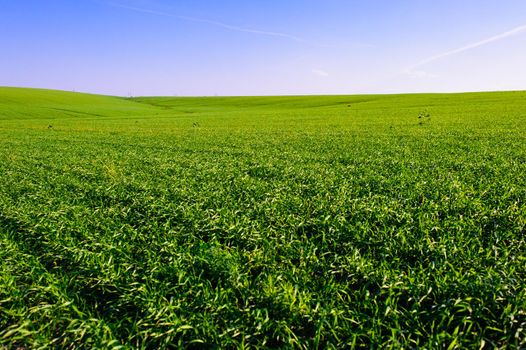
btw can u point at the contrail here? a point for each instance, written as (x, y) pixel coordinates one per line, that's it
(215, 23)
(472, 46)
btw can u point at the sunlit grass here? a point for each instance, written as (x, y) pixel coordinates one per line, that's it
(302, 222)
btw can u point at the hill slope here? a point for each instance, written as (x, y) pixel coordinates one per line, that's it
(22, 103)
(321, 101)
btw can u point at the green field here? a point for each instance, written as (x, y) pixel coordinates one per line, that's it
(262, 222)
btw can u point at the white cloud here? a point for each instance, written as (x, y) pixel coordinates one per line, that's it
(320, 73)
(215, 23)
(420, 74)
(513, 32)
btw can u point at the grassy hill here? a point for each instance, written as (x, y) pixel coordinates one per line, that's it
(359, 112)
(279, 222)
(23, 103)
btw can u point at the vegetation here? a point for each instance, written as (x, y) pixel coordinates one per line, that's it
(247, 222)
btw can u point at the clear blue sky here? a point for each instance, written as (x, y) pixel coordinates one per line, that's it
(263, 47)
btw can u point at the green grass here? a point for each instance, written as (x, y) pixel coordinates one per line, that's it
(246, 222)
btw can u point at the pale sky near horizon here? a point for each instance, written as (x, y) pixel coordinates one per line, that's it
(263, 47)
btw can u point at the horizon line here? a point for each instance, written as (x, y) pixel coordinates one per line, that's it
(264, 95)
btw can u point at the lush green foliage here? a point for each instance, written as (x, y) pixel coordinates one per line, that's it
(297, 222)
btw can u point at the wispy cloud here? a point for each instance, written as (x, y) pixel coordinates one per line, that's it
(320, 73)
(415, 70)
(211, 22)
(513, 32)
(420, 74)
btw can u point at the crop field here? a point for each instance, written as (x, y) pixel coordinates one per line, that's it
(381, 221)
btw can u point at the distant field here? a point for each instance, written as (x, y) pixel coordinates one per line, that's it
(245, 222)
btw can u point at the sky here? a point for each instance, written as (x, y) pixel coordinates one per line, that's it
(263, 47)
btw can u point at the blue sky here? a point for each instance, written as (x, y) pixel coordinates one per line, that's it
(263, 47)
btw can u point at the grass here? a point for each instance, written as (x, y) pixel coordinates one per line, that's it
(250, 222)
